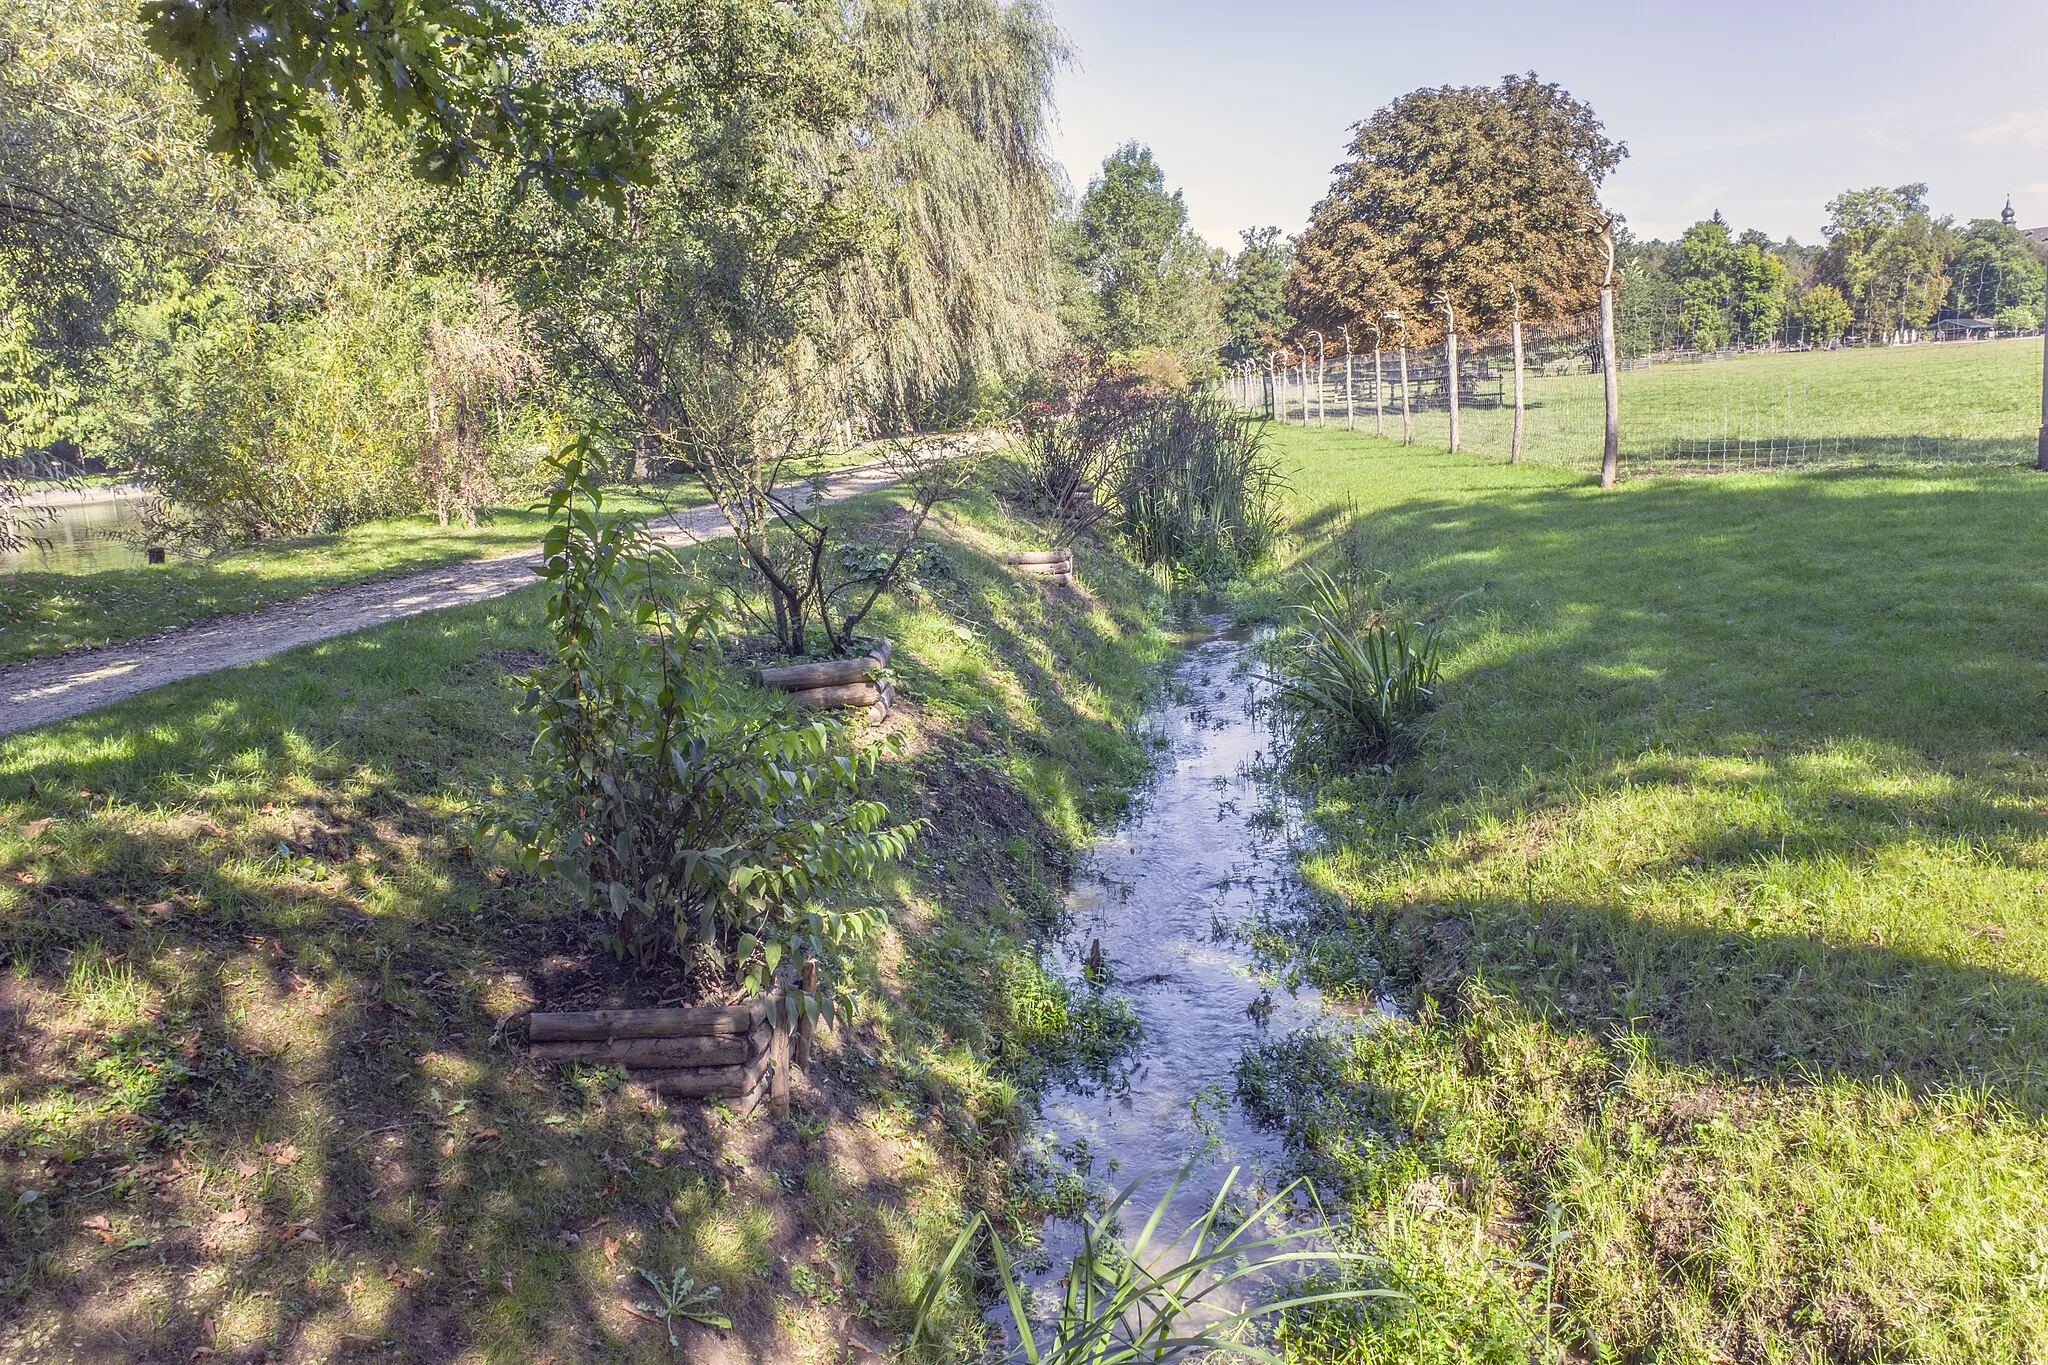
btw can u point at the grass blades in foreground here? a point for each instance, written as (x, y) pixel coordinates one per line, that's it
(1719, 896)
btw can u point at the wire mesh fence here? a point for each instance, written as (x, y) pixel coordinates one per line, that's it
(1929, 404)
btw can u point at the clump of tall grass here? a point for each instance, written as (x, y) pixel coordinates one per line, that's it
(1197, 490)
(1165, 1297)
(1354, 678)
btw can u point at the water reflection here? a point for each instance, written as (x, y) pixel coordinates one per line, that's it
(81, 534)
(1207, 851)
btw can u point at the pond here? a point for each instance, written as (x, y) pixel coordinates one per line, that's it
(78, 531)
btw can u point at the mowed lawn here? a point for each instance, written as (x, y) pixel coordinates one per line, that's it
(1718, 903)
(1978, 402)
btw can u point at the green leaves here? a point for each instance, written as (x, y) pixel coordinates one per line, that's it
(1163, 1297)
(264, 72)
(692, 814)
(1355, 681)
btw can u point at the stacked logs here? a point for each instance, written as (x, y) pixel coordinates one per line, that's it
(702, 1052)
(1057, 565)
(837, 683)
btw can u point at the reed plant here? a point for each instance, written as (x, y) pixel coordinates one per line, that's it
(1188, 1297)
(1355, 678)
(1198, 490)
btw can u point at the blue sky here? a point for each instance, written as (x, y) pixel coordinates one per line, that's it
(1764, 111)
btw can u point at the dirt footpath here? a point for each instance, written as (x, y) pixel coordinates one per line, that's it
(45, 690)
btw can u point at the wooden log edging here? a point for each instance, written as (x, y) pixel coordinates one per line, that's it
(837, 683)
(1057, 565)
(705, 1052)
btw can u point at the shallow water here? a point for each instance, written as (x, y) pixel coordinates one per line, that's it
(78, 537)
(1206, 850)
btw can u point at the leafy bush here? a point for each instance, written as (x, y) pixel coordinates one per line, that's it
(1078, 425)
(1197, 489)
(1355, 679)
(695, 817)
(253, 429)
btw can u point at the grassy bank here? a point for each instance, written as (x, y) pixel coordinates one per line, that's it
(261, 1094)
(1716, 901)
(45, 613)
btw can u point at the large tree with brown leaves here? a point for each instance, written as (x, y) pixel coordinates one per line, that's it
(1483, 197)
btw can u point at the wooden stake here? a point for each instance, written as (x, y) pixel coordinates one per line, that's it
(778, 1076)
(1451, 375)
(1407, 417)
(1610, 456)
(2041, 457)
(1515, 446)
(806, 1026)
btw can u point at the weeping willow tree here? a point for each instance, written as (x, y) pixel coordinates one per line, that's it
(948, 149)
(849, 201)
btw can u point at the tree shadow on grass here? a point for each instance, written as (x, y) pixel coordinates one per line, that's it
(261, 1081)
(1754, 767)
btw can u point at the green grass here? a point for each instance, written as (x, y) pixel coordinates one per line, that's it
(49, 613)
(259, 1094)
(1717, 899)
(1959, 403)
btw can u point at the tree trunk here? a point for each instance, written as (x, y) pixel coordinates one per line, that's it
(1515, 445)
(1610, 457)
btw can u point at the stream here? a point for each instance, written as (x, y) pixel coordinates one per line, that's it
(1206, 849)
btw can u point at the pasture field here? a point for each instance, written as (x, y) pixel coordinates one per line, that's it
(1717, 905)
(1958, 403)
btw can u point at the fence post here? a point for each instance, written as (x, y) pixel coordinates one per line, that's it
(1350, 411)
(1407, 413)
(1379, 394)
(2041, 455)
(1451, 368)
(1610, 456)
(1515, 445)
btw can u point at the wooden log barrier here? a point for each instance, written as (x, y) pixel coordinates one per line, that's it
(707, 1049)
(836, 683)
(1057, 565)
(704, 1052)
(845, 694)
(603, 1025)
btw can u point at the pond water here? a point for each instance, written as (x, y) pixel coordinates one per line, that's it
(78, 534)
(1206, 851)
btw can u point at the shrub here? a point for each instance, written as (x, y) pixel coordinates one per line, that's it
(252, 429)
(1198, 490)
(1354, 678)
(1077, 428)
(696, 818)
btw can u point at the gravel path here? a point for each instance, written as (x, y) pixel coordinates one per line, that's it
(45, 690)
